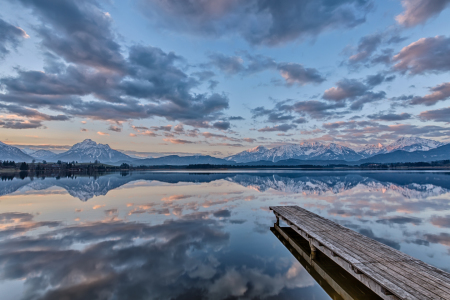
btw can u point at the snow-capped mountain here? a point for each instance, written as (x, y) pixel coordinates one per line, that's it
(318, 151)
(43, 155)
(254, 154)
(89, 151)
(409, 144)
(8, 152)
(303, 151)
(412, 144)
(371, 150)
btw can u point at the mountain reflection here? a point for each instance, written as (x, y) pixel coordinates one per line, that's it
(406, 184)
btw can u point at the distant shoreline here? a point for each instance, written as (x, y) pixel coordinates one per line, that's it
(193, 168)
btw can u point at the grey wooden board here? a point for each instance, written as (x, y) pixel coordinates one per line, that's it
(399, 273)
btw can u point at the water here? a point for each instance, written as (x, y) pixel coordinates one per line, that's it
(160, 235)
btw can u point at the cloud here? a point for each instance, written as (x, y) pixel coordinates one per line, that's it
(10, 37)
(178, 141)
(102, 133)
(346, 89)
(224, 213)
(82, 36)
(400, 220)
(438, 115)
(419, 11)
(443, 238)
(20, 124)
(115, 128)
(222, 125)
(297, 74)
(293, 73)
(355, 91)
(316, 109)
(390, 117)
(438, 93)
(300, 121)
(236, 118)
(441, 221)
(259, 22)
(273, 115)
(427, 55)
(366, 53)
(366, 47)
(83, 61)
(227, 64)
(282, 127)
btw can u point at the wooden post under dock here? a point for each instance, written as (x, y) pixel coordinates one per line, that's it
(388, 272)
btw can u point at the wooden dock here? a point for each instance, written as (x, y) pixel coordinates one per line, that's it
(388, 272)
(333, 279)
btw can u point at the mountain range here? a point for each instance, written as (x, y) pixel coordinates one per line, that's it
(319, 151)
(411, 149)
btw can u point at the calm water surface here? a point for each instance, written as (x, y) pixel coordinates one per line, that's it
(147, 235)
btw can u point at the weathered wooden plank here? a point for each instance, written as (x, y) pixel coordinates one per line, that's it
(380, 267)
(340, 281)
(426, 291)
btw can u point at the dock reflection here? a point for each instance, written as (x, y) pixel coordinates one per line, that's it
(335, 281)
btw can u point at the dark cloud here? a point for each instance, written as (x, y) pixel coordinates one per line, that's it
(377, 79)
(236, 118)
(390, 117)
(31, 113)
(315, 109)
(442, 238)
(366, 47)
(260, 22)
(438, 93)
(163, 128)
(300, 121)
(345, 89)
(438, 115)
(400, 220)
(145, 84)
(224, 213)
(178, 141)
(222, 125)
(78, 31)
(356, 91)
(441, 221)
(20, 124)
(10, 37)
(297, 74)
(282, 127)
(227, 64)
(419, 11)
(348, 124)
(427, 55)
(115, 128)
(292, 73)
(366, 52)
(273, 115)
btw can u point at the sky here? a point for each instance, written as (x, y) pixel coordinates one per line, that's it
(153, 77)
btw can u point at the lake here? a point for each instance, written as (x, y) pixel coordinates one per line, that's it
(188, 235)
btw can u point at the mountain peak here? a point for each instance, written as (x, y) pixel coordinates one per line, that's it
(257, 149)
(88, 143)
(88, 151)
(412, 144)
